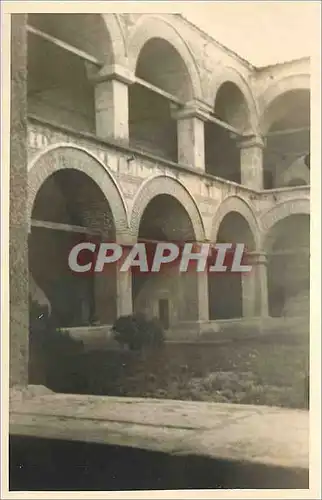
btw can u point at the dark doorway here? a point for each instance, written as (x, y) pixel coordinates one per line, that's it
(164, 313)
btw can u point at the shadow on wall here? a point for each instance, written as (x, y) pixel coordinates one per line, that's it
(51, 351)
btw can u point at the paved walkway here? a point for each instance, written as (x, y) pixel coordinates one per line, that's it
(253, 434)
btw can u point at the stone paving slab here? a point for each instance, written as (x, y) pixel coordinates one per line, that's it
(258, 434)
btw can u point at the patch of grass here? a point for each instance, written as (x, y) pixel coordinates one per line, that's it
(249, 372)
(253, 371)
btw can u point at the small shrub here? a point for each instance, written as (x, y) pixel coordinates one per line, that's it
(138, 332)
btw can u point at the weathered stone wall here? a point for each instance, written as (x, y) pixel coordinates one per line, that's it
(206, 199)
(18, 205)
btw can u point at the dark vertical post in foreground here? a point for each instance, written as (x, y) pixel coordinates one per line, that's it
(18, 205)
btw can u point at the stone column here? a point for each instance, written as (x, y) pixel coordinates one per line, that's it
(124, 302)
(251, 162)
(18, 244)
(259, 262)
(112, 103)
(191, 136)
(249, 300)
(203, 296)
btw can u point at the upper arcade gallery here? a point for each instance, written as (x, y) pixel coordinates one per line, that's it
(158, 84)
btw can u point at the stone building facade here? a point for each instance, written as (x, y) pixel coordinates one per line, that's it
(142, 127)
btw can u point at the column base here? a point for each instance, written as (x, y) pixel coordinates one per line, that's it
(94, 337)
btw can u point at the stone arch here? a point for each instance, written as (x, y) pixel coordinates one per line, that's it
(287, 84)
(68, 156)
(243, 208)
(117, 37)
(231, 75)
(233, 103)
(67, 96)
(231, 294)
(287, 246)
(149, 27)
(280, 211)
(297, 173)
(104, 37)
(162, 185)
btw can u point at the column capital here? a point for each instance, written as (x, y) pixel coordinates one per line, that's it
(113, 72)
(258, 257)
(251, 141)
(126, 239)
(191, 109)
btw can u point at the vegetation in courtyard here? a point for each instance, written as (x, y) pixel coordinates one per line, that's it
(138, 332)
(257, 371)
(270, 370)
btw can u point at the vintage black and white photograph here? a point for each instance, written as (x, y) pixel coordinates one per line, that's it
(158, 298)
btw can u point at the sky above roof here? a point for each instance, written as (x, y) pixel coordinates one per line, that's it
(263, 33)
